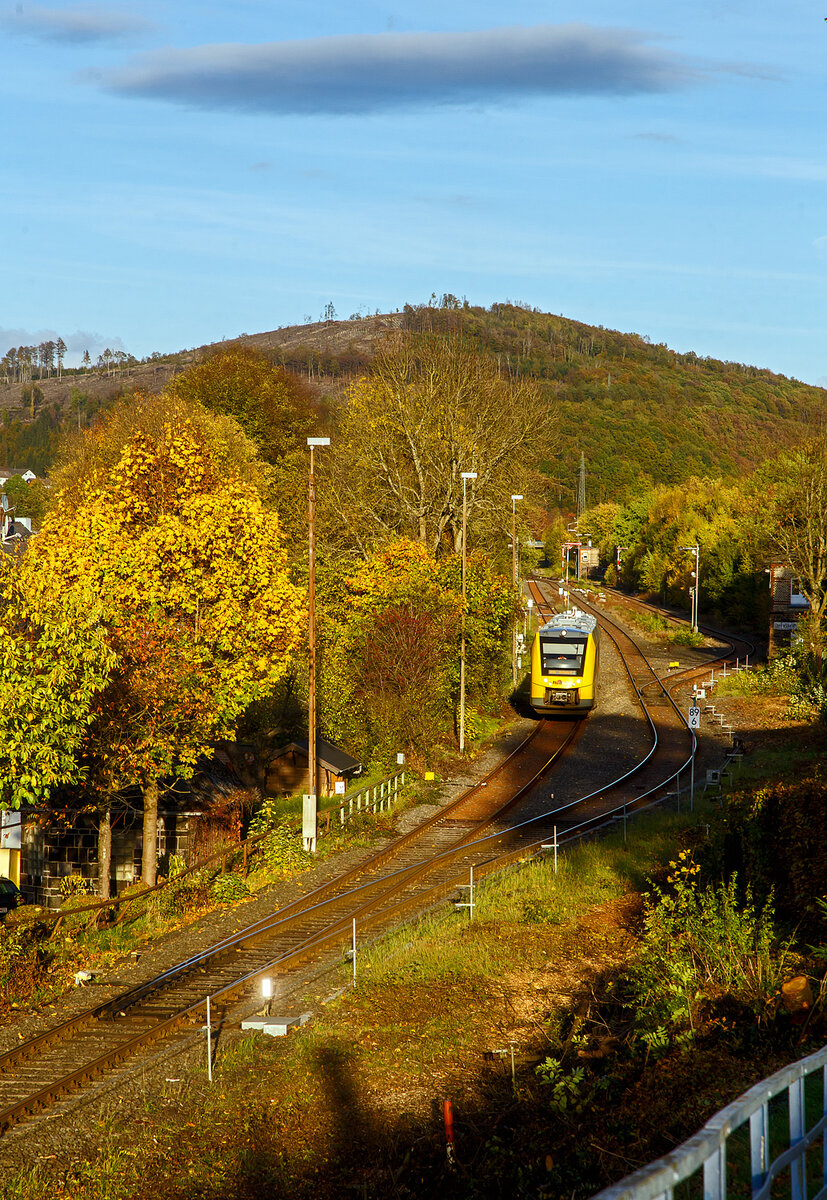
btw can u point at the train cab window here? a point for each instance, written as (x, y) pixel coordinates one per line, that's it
(562, 658)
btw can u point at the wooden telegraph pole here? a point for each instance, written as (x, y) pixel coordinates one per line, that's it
(310, 805)
(465, 475)
(515, 577)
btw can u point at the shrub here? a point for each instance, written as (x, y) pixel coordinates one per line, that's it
(227, 889)
(687, 637)
(75, 885)
(569, 1091)
(281, 852)
(776, 836)
(701, 943)
(187, 892)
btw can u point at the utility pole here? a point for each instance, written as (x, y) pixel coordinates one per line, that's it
(465, 475)
(581, 487)
(310, 805)
(515, 574)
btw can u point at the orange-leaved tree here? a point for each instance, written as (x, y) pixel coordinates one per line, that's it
(194, 599)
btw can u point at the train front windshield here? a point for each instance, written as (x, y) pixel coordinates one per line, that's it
(562, 658)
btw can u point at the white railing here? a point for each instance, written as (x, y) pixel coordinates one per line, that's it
(376, 797)
(707, 1150)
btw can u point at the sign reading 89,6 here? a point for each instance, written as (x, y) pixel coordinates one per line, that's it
(694, 717)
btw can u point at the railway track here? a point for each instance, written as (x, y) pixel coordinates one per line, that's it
(411, 873)
(404, 875)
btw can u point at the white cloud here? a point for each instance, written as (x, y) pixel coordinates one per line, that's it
(379, 72)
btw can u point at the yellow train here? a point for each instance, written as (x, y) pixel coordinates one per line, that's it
(565, 658)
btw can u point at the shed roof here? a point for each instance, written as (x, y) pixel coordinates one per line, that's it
(328, 755)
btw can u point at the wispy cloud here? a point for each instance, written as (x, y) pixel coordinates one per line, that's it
(653, 136)
(381, 72)
(83, 24)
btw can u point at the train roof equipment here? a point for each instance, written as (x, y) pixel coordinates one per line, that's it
(573, 622)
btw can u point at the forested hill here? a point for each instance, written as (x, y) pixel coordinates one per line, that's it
(639, 412)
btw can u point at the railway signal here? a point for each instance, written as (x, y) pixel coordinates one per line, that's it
(695, 586)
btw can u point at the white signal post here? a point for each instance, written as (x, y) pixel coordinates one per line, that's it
(310, 807)
(465, 476)
(516, 578)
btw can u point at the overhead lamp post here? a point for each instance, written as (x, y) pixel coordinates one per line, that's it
(694, 590)
(465, 476)
(310, 806)
(516, 577)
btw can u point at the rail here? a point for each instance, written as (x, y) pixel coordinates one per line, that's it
(707, 1150)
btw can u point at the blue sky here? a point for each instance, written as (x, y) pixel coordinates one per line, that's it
(177, 173)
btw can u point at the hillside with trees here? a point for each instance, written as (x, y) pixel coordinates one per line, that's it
(641, 413)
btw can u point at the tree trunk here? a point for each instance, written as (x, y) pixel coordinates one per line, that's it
(149, 860)
(104, 853)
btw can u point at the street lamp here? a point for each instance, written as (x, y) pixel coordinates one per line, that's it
(309, 806)
(465, 476)
(693, 591)
(516, 577)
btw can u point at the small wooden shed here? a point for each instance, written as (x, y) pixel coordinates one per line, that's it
(288, 768)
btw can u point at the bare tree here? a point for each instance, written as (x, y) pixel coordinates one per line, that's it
(432, 408)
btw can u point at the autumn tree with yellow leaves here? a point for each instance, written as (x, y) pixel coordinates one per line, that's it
(192, 600)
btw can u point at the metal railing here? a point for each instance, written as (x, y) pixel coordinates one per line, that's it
(375, 797)
(707, 1150)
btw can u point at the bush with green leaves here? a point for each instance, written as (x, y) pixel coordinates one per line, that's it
(799, 673)
(229, 888)
(701, 943)
(268, 817)
(569, 1091)
(778, 677)
(281, 852)
(687, 637)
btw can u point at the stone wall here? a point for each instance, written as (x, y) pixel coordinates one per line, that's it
(49, 856)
